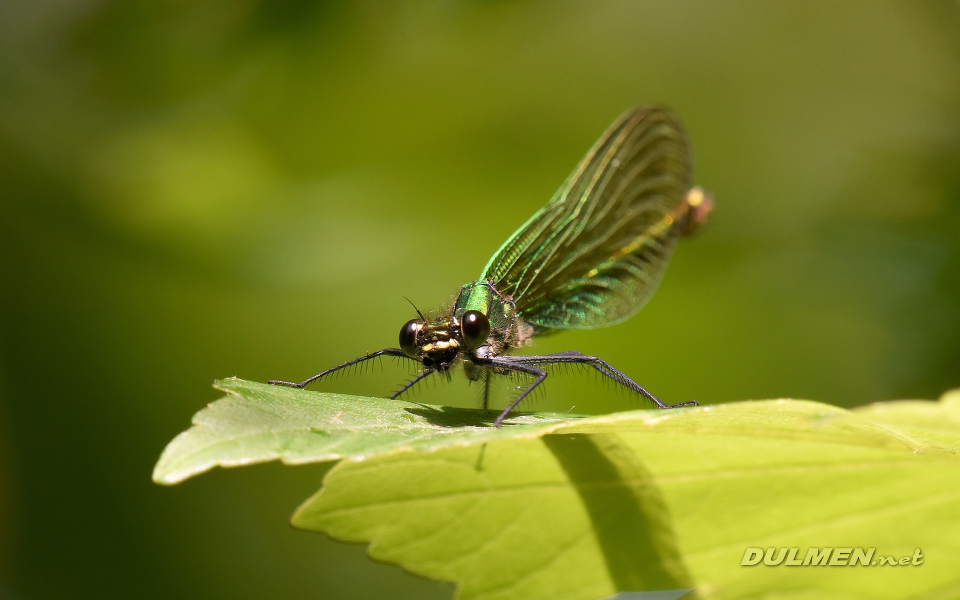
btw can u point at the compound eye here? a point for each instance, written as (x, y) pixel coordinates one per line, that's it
(475, 328)
(408, 337)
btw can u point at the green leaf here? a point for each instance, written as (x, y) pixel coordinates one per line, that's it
(566, 516)
(574, 508)
(257, 422)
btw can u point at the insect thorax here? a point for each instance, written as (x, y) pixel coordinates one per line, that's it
(507, 329)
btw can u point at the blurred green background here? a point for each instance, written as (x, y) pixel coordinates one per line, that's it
(200, 189)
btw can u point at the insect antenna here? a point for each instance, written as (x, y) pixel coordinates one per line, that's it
(415, 308)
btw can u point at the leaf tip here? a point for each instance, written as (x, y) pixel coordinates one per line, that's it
(164, 476)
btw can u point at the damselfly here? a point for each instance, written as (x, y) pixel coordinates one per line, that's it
(591, 257)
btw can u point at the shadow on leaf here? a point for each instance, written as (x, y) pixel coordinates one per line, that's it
(449, 416)
(573, 517)
(628, 512)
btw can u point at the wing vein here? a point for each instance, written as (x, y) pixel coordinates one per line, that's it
(596, 252)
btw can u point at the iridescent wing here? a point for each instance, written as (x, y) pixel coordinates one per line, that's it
(595, 253)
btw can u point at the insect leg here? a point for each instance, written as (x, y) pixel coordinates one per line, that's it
(412, 383)
(599, 368)
(600, 365)
(486, 389)
(509, 363)
(349, 363)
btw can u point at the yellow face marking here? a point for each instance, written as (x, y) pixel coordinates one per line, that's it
(444, 345)
(427, 348)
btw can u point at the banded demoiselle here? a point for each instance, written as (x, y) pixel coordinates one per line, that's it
(591, 257)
